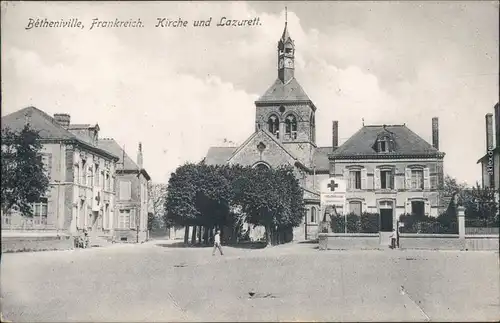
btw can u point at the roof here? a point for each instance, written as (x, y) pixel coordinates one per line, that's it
(484, 158)
(285, 36)
(320, 158)
(219, 155)
(407, 143)
(113, 147)
(284, 92)
(47, 127)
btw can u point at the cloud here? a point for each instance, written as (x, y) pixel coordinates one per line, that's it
(180, 91)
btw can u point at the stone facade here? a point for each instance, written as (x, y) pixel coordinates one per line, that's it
(80, 193)
(285, 134)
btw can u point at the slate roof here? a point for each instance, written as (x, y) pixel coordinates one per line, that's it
(320, 158)
(219, 155)
(407, 143)
(485, 157)
(113, 147)
(48, 128)
(284, 92)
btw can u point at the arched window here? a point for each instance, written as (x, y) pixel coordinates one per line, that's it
(313, 215)
(273, 125)
(291, 127)
(261, 166)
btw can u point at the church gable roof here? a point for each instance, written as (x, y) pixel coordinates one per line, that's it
(284, 92)
(219, 155)
(320, 158)
(407, 143)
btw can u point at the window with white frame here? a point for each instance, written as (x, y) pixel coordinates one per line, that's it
(386, 179)
(107, 182)
(76, 174)
(417, 179)
(40, 212)
(355, 179)
(124, 219)
(355, 207)
(90, 177)
(83, 180)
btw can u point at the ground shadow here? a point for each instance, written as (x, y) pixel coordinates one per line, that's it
(314, 241)
(241, 245)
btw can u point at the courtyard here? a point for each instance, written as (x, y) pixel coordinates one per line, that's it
(160, 281)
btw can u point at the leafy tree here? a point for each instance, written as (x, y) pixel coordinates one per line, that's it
(24, 178)
(157, 196)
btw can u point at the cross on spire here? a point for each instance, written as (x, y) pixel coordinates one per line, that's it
(332, 185)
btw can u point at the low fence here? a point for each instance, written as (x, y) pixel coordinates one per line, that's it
(41, 243)
(346, 241)
(363, 241)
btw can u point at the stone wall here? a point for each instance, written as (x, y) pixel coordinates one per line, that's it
(348, 241)
(20, 244)
(431, 241)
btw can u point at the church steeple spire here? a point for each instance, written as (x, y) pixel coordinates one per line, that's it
(286, 54)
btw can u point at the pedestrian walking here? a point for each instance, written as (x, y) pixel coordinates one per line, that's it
(393, 239)
(398, 233)
(217, 243)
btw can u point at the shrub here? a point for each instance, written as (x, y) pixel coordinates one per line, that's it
(370, 222)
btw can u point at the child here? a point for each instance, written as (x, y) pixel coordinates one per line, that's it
(393, 239)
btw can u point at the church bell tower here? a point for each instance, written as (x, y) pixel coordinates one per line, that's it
(286, 56)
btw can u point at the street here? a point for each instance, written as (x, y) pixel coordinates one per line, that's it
(295, 282)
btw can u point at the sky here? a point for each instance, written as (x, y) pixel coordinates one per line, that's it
(180, 91)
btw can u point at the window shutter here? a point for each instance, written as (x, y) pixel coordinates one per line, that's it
(346, 178)
(408, 178)
(427, 181)
(393, 179)
(427, 208)
(132, 219)
(408, 207)
(377, 178)
(364, 181)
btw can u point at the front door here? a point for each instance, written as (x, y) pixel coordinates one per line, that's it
(386, 222)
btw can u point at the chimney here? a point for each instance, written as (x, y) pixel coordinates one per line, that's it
(489, 131)
(139, 156)
(62, 119)
(335, 134)
(497, 124)
(435, 133)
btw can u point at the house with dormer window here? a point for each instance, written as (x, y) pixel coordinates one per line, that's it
(390, 170)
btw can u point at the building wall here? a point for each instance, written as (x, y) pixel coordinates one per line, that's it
(138, 206)
(371, 195)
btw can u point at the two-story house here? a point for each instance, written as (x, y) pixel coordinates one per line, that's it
(131, 186)
(390, 170)
(81, 175)
(490, 162)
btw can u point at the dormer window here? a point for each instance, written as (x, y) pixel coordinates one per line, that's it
(384, 144)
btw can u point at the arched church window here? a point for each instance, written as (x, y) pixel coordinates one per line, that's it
(291, 127)
(273, 125)
(261, 166)
(313, 215)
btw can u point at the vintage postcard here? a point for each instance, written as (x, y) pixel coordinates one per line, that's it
(202, 161)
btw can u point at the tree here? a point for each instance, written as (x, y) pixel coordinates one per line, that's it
(157, 196)
(24, 178)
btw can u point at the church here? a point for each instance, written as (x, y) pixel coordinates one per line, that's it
(386, 167)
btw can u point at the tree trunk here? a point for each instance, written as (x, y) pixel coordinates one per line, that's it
(193, 235)
(186, 234)
(268, 235)
(205, 235)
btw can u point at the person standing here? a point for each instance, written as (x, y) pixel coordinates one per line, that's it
(217, 244)
(393, 239)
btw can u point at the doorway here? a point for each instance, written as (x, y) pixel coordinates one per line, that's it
(386, 222)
